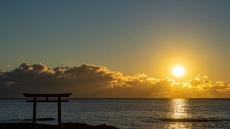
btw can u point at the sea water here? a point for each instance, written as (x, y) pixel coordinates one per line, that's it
(127, 113)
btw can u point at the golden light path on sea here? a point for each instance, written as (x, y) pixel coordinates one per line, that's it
(179, 110)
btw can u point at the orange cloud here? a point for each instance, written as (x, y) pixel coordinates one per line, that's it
(99, 81)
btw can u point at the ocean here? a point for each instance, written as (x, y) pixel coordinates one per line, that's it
(127, 113)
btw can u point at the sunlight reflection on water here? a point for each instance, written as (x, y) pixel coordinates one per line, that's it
(179, 110)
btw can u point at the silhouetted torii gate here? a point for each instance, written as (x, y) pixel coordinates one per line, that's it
(46, 96)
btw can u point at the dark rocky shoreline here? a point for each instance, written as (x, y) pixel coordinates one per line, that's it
(46, 126)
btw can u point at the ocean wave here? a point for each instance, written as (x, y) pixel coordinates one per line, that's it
(25, 120)
(40, 119)
(193, 119)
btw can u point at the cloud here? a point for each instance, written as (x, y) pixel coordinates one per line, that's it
(99, 81)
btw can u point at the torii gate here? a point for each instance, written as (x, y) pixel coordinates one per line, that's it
(46, 96)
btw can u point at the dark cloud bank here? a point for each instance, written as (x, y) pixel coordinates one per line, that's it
(90, 81)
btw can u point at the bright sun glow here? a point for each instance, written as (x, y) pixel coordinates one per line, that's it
(178, 71)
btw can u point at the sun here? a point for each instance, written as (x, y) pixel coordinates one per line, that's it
(178, 71)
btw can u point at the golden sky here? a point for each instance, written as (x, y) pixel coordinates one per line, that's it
(142, 40)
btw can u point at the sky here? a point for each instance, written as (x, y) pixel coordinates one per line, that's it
(131, 36)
